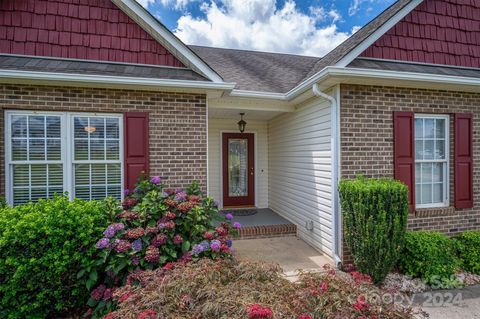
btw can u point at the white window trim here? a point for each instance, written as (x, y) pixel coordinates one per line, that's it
(446, 172)
(66, 120)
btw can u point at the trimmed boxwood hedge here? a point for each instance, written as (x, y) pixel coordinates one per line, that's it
(375, 219)
(428, 255)
(467, 246)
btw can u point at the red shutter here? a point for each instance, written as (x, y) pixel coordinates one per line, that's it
(404, 155)
(463, 161)
(136, 146)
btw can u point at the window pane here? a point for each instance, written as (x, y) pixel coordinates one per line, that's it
(114, 191)
(97, 150)
(439, 149)
(429, 128)
(80, 123)
(98, 174)
(53, 127)
(437, 172)
(113, 150)
(418, 128)
(82, 174)
(426, 173)
(19, 126)
(37, 149)
(438, 193)
(19, 150)
(114, 173)
(38, 193)
(99, 192)
(81, 150)
(418, 171)
(21, 175)
(426, 193)
(82, 192)
(54, 149)
(428, 150)
(36, 126)
(112, 128)
(55, 176)
(440, 128)
(99, 124)
(419, 149)
(39, 175)
(21, 196)
(418, 193)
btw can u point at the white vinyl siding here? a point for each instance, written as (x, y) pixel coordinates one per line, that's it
(215, 129)
(51, 152)
(300, 171)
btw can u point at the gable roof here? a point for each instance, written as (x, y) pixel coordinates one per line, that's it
(359, 37)
(163, 35)
(257, 71)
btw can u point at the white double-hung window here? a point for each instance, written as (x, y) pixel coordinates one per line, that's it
(51, 152)
(431, 160)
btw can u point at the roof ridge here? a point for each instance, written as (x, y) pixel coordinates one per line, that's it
(255, 51)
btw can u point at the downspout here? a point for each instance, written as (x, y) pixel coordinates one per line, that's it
(334, 145)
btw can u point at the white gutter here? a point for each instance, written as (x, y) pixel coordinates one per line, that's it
(259, 95)
(112, 80)
(335, 150)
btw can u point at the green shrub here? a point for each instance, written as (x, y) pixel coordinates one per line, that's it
(375, 217)
(42, 247)
(429, 256)
(3, 202)
(468, 250)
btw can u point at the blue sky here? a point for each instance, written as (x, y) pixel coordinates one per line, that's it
(308, 27)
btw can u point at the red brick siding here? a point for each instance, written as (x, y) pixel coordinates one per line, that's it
(366, 124)
(81, 29)
(178, 131)
(440, 32)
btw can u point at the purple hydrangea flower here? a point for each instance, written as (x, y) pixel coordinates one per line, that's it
(107, 295)
(155, 180)
(200, 248)
(229, 242)
(177, 239)
(165, 194)
(97, 293)
(180, 197)
(135, 260)
(118, 226)
(126, 192)
(137, 245)
(161, 225)
(216, 203)
(229, 216)
(215, 245)
(109, 232)
(179, 190)
(237, 225)
(103, 243)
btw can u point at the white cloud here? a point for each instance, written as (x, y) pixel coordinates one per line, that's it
(260, 25)
(177, 4)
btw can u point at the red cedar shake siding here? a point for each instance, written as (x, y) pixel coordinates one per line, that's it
(177, 123)
(367, 127)
(81, 29)
(439, 32)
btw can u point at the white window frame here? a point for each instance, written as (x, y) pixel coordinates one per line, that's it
(446, 161)
(67, 155)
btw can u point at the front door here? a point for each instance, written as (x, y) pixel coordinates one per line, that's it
(238, 169)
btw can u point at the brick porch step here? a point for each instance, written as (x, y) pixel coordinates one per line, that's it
(268, 231)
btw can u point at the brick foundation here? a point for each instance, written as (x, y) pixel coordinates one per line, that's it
(267, 231)
(366, 126)
(178, 144)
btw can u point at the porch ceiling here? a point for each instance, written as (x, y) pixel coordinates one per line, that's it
(233, 114)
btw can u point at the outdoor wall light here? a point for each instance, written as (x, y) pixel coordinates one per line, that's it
(241, 123)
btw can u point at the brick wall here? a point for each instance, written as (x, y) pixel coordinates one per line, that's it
(178, 144)
(367, 142)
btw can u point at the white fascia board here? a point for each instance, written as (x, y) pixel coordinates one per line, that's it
(134, 10)
(401, 76)
(258, 95)
(111, 80)
(365, 44)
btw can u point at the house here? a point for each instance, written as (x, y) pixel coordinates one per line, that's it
(92, 92)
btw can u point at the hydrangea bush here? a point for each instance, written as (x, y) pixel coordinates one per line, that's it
(156, 226)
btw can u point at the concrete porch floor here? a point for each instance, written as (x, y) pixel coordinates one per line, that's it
(264, 217)
(291, 253)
